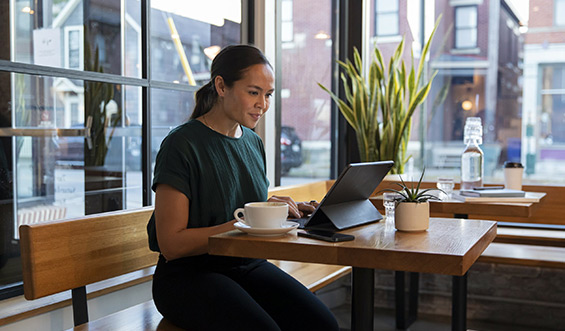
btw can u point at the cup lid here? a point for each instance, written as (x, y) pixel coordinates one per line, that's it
(508, 164)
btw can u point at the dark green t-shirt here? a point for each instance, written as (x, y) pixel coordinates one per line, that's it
(217, 173)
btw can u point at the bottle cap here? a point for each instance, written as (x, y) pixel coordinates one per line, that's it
(473, 130)
(509, 164)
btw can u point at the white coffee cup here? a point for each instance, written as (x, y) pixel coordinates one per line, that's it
(264, 215)
(513, 172)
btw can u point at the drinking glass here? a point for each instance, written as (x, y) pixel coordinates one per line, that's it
(446, 184)
(389, 204)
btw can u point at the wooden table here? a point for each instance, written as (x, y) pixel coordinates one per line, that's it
(462, 209)
(450, 247)
(459, 210)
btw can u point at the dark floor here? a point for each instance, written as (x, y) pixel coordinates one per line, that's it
(385, 321)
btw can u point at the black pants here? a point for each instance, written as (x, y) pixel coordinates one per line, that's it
(222, 293)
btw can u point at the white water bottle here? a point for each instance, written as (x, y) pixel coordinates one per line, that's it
(472, 159)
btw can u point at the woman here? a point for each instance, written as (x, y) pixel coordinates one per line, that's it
(205, 169)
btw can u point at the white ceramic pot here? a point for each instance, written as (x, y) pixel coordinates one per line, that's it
(394, 177)
(412, 216)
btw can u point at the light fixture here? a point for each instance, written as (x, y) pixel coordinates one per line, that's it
(467, 105)
(212, 51)
(27, 10)
(322, 35)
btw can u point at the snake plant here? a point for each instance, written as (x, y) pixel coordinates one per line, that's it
(380, 106)
(413, 194)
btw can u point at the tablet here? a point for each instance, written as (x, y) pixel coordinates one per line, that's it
(347, 202)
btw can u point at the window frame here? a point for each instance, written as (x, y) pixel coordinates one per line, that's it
(556, 22)
(67, 31)
(474, 28)
(287, 23)
(378, 14)
(10, 65)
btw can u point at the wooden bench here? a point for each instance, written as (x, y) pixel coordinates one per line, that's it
(67, 255)
(524, 246)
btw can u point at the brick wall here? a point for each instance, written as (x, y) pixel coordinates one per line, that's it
(541, 13)
(503, 294)
(541, 27)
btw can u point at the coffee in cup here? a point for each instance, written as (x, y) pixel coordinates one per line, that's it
(264, 215)
(513, 172)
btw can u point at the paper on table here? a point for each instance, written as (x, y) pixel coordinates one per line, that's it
(502, 193)
(530, 197)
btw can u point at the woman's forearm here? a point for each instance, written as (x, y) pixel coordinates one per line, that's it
(193, 241)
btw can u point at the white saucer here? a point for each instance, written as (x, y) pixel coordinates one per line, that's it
(288, 226)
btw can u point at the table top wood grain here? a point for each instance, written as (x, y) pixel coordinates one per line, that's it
(449, 246)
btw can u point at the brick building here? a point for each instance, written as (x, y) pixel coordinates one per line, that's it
(476, 53)
(544, 86)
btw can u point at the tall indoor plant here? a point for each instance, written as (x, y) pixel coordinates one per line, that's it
(379, 106)
(103, 182)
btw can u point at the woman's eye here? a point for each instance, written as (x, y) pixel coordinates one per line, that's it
(253, 92)
(269, 95)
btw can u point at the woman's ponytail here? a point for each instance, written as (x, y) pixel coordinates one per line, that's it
(205, 98)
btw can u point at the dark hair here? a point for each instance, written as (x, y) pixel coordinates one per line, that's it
(230, 63)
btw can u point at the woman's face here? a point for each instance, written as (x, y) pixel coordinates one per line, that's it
(249, 98)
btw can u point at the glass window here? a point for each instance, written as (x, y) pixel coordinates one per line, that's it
(551, 141)
(386, 12)
(185, 37)
(518, 94)
(73, 39)
(287, 29)
(52, 33)
(71, 147)
(175, 108)
(466, 27)
(305, 108)
(558, 13)
(74, 149)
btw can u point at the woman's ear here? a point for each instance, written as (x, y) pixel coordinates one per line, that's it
(220, 85)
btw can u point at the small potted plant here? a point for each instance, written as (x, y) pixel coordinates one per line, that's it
(412, 210)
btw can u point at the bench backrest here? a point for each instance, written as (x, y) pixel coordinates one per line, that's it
(304, 192)
(68, 254)
(63, 255)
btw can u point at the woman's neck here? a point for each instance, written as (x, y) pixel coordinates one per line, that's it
(215, 120)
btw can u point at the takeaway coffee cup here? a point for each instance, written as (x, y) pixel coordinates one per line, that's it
(264, 215)
(513, 172)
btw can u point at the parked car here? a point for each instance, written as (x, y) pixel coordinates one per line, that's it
(291, 149)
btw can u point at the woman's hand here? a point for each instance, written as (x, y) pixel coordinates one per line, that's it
(296, 210)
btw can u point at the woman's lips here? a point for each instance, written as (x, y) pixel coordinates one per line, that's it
(256, 117)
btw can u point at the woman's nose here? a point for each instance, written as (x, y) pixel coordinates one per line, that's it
(262, 103)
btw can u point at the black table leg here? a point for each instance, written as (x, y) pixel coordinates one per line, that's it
(404, 320)
(362, 297)
(459, 304)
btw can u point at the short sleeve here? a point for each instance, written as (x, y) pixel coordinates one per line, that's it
(172, 166)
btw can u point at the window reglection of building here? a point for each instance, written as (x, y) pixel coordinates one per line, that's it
(466, 27)
(386, 17)
(559, 12)
(287, 30)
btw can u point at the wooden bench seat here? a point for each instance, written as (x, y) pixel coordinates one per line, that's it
(67, 255)
(312, 275)
(526, 255)
(530, 236)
